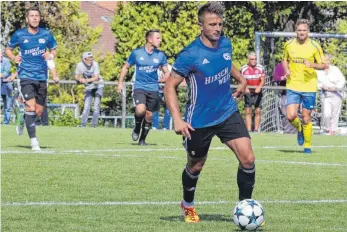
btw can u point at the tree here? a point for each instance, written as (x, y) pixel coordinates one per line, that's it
(176, 20)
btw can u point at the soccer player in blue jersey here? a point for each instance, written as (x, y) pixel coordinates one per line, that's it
(147, 60)
(33, 43)
(211, 110)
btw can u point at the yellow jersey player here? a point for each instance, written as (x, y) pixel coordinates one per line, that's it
(302, 56)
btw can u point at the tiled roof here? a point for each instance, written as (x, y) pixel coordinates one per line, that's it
(101, 13)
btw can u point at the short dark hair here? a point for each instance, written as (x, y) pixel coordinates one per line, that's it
(212, 8)
(32, 8)
(151, 32)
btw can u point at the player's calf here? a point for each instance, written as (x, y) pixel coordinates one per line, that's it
(245, 181)
(146, 126)
(30, 118)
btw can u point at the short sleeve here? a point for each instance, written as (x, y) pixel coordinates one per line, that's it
(52, 44)
(184, 63)
(132, 58)
(14, 41)
(262, 71)
(78, 70)
(96, 68)
(318, 56)
(163, 60)
(285, 52)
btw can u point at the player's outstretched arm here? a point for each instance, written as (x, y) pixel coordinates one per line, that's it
(242, 84)
(122, 75)
(181, 127)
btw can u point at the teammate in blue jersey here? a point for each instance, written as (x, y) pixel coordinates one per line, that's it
(33, 43)
(211, 110)
(147, 60)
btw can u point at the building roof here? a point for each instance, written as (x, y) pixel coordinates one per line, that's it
(101, 13)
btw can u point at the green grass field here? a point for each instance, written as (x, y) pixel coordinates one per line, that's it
(89, 179)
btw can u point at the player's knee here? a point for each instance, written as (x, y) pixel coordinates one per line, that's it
(39, 113)
(248, 111)
(196, 169)
(257, 112)
(291, 117)
(248, 161)
(306, 120)
(140, 111)
(149, 114)
(196, 166)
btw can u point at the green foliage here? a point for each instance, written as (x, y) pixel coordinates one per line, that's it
(176, 20)
(178, 23)
(65, 119)
(72, 32)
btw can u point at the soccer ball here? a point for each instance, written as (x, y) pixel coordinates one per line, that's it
(248, 214)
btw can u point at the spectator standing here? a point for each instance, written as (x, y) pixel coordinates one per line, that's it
(255, 77)
(6, 87)
(331, 82)
(87, 71)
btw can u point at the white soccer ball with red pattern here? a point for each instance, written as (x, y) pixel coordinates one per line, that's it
(248, 214)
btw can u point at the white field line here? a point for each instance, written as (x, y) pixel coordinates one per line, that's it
(140, 203)
(223, 159)
(159, 149)
(180, 157)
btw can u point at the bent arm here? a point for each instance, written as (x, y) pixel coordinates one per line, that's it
(170, 93)
(235, 73)
(319, 66)
(9, 53)
(124, 72)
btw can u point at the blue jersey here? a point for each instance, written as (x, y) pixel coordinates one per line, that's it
(31, 48)
(146, 67)
(207, 72)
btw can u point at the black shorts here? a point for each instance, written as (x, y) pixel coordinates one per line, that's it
(34, 89)
(232, 128)
(253, 99)
(149, 98)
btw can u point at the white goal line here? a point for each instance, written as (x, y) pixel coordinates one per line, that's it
(140, 203)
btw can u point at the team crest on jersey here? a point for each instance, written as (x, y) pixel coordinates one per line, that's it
(226, 56)
(41, 41)
(155, 60)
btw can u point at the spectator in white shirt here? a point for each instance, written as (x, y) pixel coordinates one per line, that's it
(331, 82)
